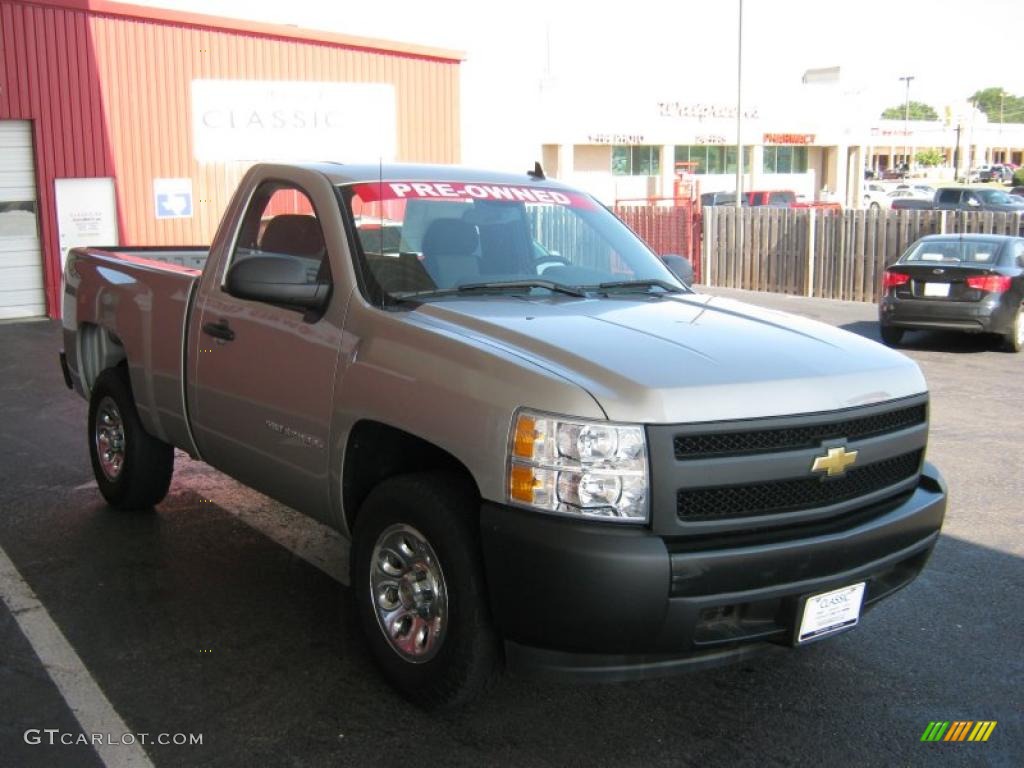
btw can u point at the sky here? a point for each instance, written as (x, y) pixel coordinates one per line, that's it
(680, 50)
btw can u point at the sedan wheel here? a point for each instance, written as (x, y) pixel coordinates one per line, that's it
(1014, 340)
(891, 336)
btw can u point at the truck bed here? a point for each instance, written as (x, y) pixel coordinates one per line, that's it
(145, 294)
(192, 258)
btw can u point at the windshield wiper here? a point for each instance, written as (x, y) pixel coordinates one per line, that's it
(665, 285)
(511, 285)
(518, 284)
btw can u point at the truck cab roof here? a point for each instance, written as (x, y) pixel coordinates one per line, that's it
(345, 173)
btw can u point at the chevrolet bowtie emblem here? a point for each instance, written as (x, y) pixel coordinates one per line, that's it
(836, 462)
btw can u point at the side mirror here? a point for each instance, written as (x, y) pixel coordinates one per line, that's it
(276, 280)
(680, 267)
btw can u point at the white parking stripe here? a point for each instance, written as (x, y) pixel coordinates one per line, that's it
(88, 703)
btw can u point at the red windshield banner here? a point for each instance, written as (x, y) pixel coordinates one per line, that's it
(459, 191)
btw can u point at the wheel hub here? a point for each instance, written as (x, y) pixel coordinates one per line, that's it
(109, 437)
(408, 592)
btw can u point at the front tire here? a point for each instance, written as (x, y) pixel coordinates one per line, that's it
(419, 589)
(891, 336)
(1013, 341)
(133, 469)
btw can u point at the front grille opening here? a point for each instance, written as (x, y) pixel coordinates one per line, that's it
(774, 619)
(720, 613)
(743, 622)
(759, 499)
(753, 534)
(711, 444)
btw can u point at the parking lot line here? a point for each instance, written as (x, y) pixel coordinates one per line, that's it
(80, 690)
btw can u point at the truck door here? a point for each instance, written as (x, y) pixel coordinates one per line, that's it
(264, 372)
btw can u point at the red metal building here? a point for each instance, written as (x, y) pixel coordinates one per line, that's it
(133, 124)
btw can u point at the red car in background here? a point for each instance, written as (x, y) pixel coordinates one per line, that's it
(786, 198)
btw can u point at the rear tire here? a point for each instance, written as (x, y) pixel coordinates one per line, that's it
(1013, 341)
(133, 469)
(891, 336)
(419, 589)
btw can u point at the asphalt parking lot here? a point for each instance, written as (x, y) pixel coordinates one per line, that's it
(224, 615)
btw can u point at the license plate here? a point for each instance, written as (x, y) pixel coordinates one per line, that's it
(830, 612)
(936, 289)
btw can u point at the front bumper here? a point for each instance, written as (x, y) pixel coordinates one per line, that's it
(582, 600)
(986, 316)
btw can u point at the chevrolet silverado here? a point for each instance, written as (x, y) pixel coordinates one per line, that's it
(547, 451)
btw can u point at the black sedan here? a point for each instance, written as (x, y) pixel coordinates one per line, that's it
(972, 283)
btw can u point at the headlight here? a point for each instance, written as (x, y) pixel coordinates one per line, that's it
(584, 468)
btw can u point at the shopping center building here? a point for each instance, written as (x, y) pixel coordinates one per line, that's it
(819, 143)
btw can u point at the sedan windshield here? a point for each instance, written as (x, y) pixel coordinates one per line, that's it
(426, 240)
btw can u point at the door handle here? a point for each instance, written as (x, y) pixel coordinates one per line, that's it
(219, 330)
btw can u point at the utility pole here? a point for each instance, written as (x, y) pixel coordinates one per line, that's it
(956, 154)
(738, 235)
(969, 150)
(906, 117)
(1002, 100)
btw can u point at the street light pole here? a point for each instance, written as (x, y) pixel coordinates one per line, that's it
(906, 118)
(738, 234)
(1002, 100)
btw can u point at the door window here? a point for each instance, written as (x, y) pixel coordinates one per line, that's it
(281, 221)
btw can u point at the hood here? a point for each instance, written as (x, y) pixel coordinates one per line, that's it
(685, 358)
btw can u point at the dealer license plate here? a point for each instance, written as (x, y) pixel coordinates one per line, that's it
(830, 612)
(936, 289)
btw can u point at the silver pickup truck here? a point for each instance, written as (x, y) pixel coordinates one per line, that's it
(547, 451)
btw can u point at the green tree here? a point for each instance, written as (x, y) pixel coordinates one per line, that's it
(929, 158)
(999, 105)
(918, 111)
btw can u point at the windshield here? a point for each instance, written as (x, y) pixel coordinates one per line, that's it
(994, 196)
(978, 252)
(430, 239)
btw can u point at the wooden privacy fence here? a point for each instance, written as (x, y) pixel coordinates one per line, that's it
(826, 254)
(666, 229)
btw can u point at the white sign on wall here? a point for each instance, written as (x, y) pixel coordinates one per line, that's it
(284, 120)
(86, 214)
(172, 198)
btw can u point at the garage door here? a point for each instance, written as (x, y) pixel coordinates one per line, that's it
(21, 267)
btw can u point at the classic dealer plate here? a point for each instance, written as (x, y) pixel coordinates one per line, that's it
(936, 289)
(830, 612)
